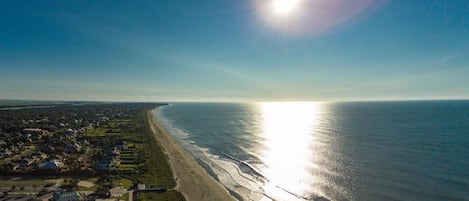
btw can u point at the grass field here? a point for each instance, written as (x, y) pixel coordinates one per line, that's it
(142, 147)
(81, 188)
(126, 183)
(166, 196)
(96, 132)
(125, 197)
(23, 182)
(92, 179)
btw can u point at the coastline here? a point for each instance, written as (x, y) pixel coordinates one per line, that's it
(191, 179)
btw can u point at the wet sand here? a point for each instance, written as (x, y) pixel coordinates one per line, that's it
(192, 180)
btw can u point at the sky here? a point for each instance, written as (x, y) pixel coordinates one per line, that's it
(243, 50)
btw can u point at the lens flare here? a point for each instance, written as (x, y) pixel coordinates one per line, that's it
(283, 7)
(311, 17)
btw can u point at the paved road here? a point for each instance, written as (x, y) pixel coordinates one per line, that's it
(131, 195)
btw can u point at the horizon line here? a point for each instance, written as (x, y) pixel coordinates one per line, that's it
(232, 101)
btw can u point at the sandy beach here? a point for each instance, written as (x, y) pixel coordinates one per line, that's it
(192, 180)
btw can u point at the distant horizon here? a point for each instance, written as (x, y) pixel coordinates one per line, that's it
(227, 101)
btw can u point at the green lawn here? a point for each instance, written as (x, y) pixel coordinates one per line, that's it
(37, 182)
(158, 172)
(126, 183)
(125, 197)
(93, 188)
(127, 166)
(96, 132)
(92, 179)
(166, 196)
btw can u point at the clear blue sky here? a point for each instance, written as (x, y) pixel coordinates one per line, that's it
(234, 50)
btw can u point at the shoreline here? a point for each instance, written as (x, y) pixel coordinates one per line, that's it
(192, 180)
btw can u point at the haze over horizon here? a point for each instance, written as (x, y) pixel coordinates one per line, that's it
(244, 50)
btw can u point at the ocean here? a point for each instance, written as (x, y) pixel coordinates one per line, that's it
(363, 151)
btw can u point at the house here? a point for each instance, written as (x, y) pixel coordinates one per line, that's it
(113, 152)
(82, 130)
(36, 137)
(52, 139)
(106, 165)
(50, 148)
(36, 131)
(72, 147)
(20, 144)
(40, 155)
(5, 153)
(121, 144)
(52, 127)
(109, 163)
(27, 136)
(68, 196)
(3, 143)
(70, 133)
(51, 165)
(25, 162)
(13, 148)
(141, 187)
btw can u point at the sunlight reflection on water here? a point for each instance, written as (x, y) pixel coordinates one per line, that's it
(288, 130)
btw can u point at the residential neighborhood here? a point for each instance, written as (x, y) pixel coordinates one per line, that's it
(74, 152)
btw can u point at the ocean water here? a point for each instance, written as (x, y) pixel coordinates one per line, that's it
(364, 151)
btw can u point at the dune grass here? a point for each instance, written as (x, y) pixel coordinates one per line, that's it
(165, 196)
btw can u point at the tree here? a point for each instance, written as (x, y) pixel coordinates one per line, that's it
(70, 184)
(103, 191)
(42, 192)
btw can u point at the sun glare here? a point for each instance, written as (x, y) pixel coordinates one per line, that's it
(283, 7)
(288, 133)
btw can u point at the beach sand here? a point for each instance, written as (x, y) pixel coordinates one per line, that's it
(192, 180)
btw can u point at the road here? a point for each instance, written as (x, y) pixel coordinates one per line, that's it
(131, 195)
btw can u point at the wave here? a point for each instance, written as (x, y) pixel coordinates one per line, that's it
(243, 186)
(240, 177)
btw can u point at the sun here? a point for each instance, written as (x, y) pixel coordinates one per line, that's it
(284, 7)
